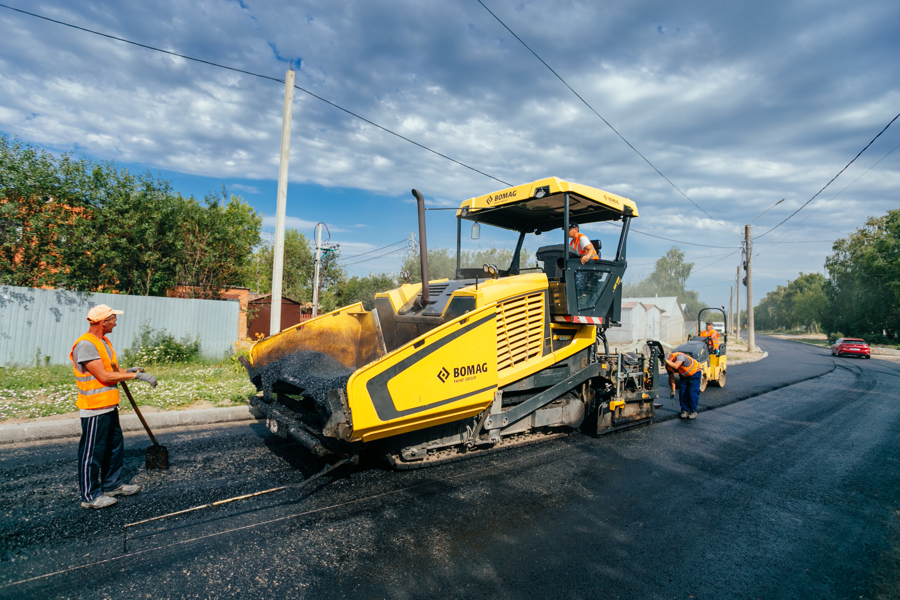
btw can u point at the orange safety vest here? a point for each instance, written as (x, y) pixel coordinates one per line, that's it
(712, 335)
(576, 246)
(688, 366)
(93, 394)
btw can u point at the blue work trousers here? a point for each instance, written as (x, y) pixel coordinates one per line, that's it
(689, 391)
(100, 455)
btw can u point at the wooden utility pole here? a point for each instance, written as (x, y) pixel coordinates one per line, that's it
(281, 209)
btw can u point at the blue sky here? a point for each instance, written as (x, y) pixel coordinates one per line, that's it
(738, 104)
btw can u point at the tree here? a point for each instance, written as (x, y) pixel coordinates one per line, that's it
(668, 278)
(807, 301)
(802, 303)
(363, 289)
(217, 240)
(94, 226)
(34, 216)
(128, 238)
(442, 261)
(298, 271)
(864, 286)
(83, 225)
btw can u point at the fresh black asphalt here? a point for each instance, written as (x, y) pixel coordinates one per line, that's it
(786, 486)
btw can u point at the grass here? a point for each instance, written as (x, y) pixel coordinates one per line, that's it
(31, 392)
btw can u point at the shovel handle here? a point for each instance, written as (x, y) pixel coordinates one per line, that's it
(138, 412)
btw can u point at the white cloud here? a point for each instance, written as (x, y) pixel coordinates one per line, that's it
(739, 105)
(247, 189)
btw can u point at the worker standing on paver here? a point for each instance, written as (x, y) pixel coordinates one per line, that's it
(690, 372)
(581, 244)
(102, 447)
(712, 338)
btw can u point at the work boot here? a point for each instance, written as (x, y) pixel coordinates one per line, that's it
(693, 415)
(99, 502)
(123, 490)
(683, 415)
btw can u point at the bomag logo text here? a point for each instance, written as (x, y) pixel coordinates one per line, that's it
(503, 196)
(464, 373)
(469, 370)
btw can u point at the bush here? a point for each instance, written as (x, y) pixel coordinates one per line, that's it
(152, 347)
(833, 337)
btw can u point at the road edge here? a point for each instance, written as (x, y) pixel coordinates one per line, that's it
(71, 428)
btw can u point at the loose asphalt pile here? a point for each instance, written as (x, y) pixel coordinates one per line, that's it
(311, 373)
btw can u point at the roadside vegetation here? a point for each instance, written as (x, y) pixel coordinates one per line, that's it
(185, 379)
(669, 278)
(859, 298)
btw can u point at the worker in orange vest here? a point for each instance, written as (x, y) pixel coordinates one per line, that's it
(581, 244)
(97, 375)
(691, 374)
(712, 338)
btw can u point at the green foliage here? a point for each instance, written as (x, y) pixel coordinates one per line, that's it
(864, 286)
(669, 277)
(861, 296)
(363, 289)
(298, 272)
(94, 226)
(801, 304)
(153, 347)
(217, 239)
(442, 261)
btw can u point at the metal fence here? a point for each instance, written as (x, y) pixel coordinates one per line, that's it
(35, 323)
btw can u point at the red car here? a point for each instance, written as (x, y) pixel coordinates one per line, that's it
(850, 347)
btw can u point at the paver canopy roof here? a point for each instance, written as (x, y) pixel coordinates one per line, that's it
(539, 206)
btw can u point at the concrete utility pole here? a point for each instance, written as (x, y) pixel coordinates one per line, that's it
(730, 309)
(318, 262)
(322, 250)
(737, 302)
(751, 336)
(281, 209)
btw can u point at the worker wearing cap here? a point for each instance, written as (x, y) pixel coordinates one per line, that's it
(712, 338)
(690, 372)
(581, 244)
(102, 446)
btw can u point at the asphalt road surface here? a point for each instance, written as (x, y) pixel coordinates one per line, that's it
(786, 486)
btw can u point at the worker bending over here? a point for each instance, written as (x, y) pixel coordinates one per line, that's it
(581, 244)
(712, 338)
(690, 372)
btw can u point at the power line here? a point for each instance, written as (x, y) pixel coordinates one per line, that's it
(679, 241)
(403, 241)
(236, 70)
(891, 151)
(712, 284)
(800, 242)
(388, 253)
(653, 262)
(713, 262)
(832, 179)
(577, 95)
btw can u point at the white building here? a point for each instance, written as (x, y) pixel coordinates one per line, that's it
(644, 319)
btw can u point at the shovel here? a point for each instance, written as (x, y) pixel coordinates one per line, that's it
(155, 456)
